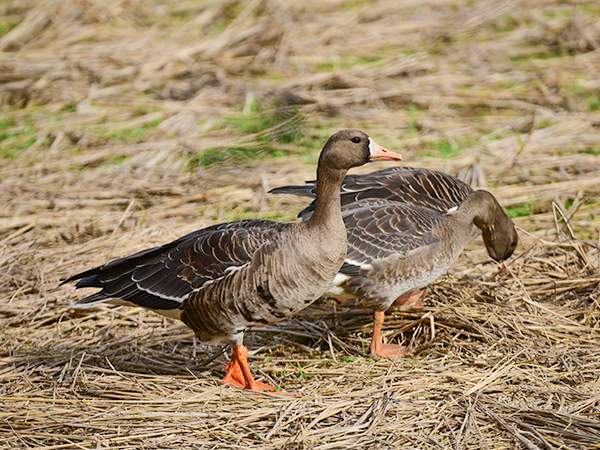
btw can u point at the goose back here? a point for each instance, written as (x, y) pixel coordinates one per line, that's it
(414, 186)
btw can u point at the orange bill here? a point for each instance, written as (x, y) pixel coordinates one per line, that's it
(379, 153)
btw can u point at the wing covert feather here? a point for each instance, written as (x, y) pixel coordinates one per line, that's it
(377, 229)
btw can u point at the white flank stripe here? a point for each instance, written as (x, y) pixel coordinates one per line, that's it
(225, 272)
(166, 297)
(234, 268)
(206, 283)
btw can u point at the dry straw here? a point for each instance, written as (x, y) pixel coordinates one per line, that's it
(503, 94)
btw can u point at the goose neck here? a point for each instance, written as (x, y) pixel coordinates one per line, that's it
(479, 208)
(327, 200)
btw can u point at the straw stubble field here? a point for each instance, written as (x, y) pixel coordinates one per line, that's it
(126, 124)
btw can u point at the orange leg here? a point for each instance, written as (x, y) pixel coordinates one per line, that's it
(413, 299)
(239, 375)
(377, 348)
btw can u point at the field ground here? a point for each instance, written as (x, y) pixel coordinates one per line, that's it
(126, 124)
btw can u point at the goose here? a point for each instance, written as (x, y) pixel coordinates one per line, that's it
(396, 247)
(225, 279)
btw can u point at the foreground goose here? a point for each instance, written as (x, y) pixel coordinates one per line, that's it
(225, 279)
(396, 247)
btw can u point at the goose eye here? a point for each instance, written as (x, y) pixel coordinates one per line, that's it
(356, 139)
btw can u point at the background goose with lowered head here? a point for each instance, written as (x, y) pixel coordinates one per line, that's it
(427, 188)
(396, 247)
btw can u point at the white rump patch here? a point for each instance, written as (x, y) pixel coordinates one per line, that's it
(339, 279)
(337, 292)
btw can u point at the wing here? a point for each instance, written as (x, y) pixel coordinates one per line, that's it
(163, 277)
(380, 228)
(414, 186)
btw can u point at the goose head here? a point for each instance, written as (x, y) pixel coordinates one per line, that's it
(497, 228)
(352, 148)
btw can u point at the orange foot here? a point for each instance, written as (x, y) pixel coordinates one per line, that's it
(377, 348)
(413, 299)
(239, 375)
(389, 351)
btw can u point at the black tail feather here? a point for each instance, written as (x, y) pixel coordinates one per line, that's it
(304, 191)
(88, 277)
